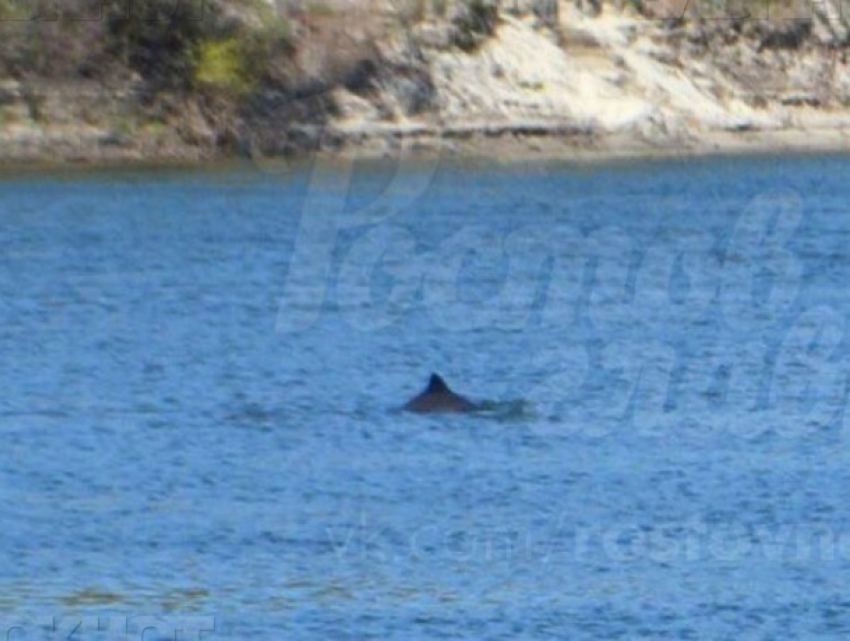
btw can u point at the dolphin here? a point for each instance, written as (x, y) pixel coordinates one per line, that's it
(437, 397)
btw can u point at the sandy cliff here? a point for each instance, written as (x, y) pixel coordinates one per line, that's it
(619, 82)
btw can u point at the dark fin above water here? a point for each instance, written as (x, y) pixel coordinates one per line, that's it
(437, 397)
(437, 385)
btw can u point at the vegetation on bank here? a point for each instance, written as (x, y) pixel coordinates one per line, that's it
(227, 46)
(169, 44)
(232, 46)
(216, 69)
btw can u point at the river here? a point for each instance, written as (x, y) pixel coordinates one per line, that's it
(202, 370)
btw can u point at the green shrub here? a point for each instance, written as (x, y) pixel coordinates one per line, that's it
(236, 64)
(157, 38)
(222, 66)
(46, 39)
(173, 45)
(474, 22)
(19, 11)
(318, 8)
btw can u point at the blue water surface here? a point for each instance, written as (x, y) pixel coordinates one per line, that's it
(202, 370)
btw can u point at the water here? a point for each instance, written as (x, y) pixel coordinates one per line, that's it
(202, 372)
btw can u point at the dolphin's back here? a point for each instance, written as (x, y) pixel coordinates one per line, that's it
(437, 397)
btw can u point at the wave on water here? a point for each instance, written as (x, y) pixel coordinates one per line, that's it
(517, 409)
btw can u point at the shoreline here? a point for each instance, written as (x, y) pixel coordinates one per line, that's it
(583, 88)
(506, 147)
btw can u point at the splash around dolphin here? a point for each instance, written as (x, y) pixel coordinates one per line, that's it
(437, 397)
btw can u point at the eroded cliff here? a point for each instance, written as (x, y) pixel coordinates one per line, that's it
(261, 80)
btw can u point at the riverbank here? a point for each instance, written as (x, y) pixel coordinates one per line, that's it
(584, 85)
(503, 144)
(506, 148)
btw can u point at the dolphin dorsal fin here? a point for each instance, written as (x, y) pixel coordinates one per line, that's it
(436, 385)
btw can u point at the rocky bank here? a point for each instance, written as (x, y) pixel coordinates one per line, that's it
(578, 80)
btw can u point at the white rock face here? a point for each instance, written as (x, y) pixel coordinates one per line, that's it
(523, 74)
(618, 73)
